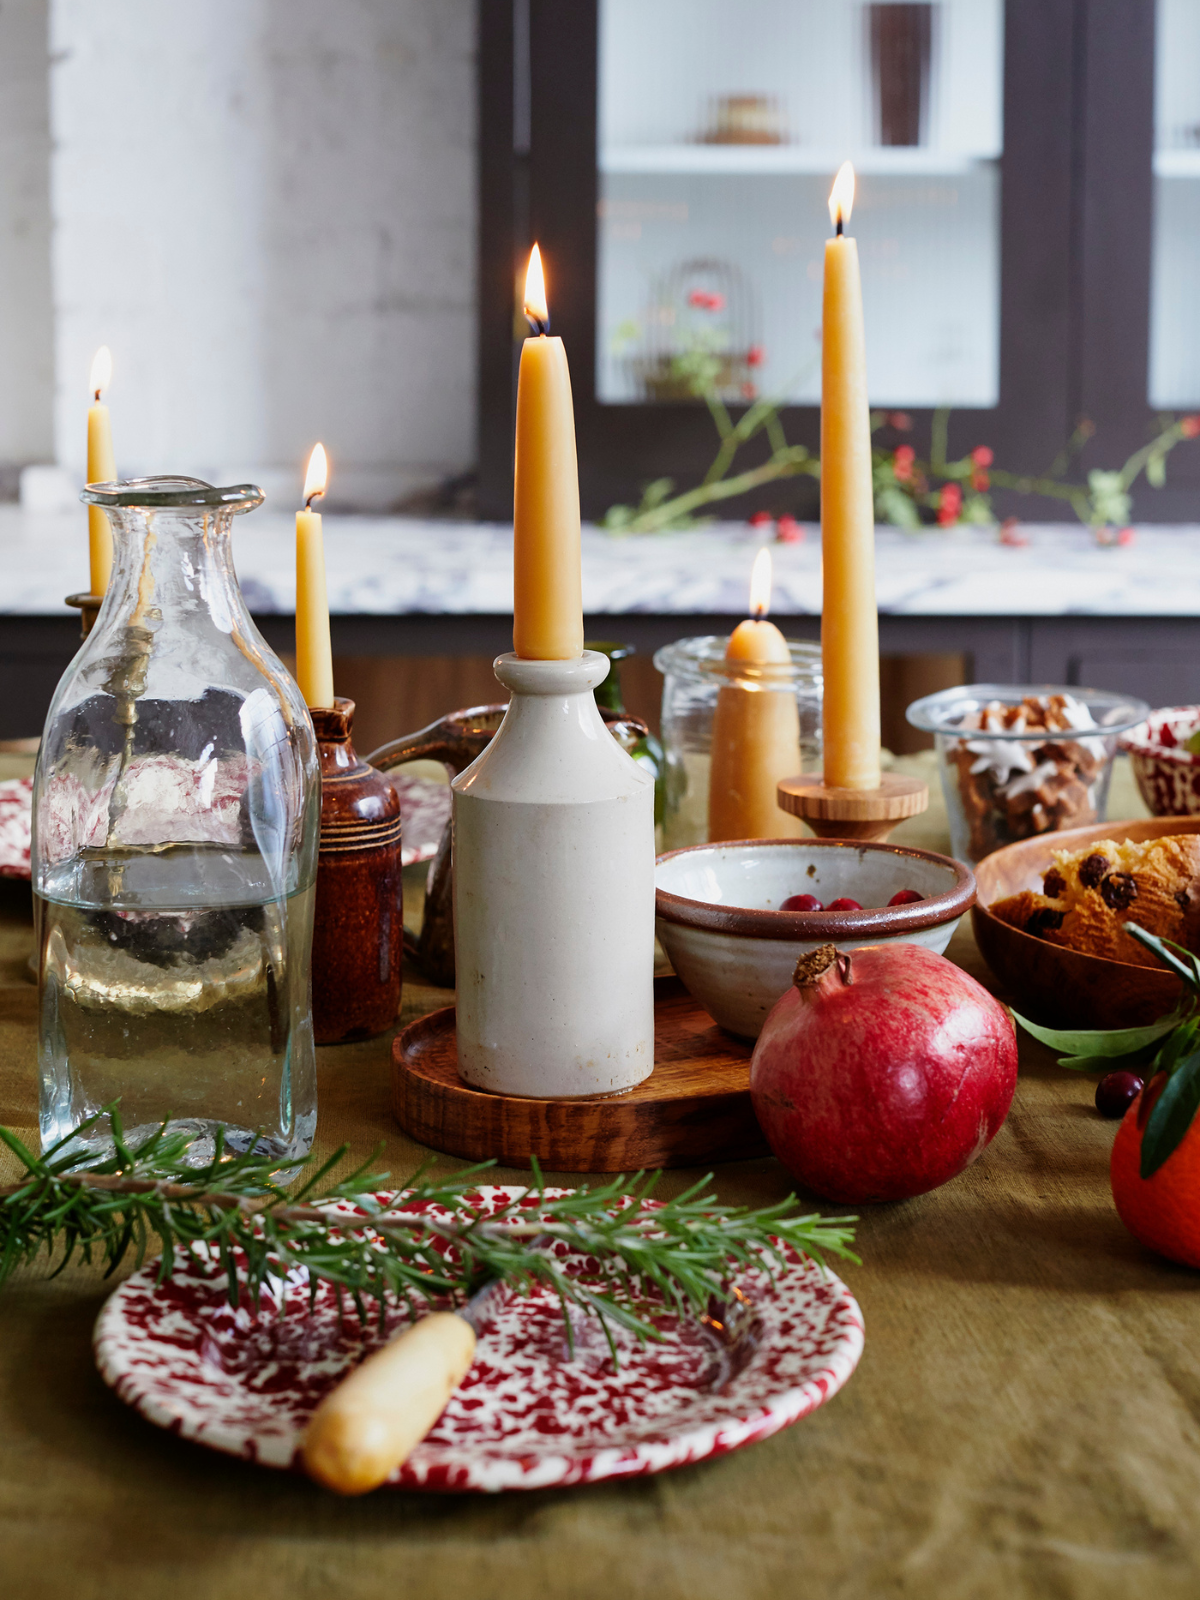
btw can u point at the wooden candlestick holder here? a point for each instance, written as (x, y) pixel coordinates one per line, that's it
(88, 606)
(694, 1108)
(868, 814)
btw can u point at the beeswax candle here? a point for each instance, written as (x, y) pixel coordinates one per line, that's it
(756, 727)
(100, 469)
(314, 654)
(849, 619)
(547, 583)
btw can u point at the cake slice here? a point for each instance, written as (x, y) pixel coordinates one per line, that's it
(1088, 895)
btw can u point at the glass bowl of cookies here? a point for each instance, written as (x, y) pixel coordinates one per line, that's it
(1017, 761)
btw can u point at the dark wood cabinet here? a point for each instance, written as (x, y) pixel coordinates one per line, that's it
(1076, 197)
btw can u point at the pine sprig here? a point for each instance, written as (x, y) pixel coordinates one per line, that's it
(674, 1256)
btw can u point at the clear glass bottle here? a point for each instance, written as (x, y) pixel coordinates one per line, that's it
(176, 818)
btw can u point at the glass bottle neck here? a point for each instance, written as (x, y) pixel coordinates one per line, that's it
(172, 565)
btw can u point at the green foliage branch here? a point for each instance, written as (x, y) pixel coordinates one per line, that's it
(678, 1254)
(909, 492)
(661, 510)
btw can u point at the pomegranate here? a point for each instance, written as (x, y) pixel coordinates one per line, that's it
(882, 1073)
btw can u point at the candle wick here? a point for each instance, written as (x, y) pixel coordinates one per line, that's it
(840, 227)
(317, 494)
(98, 394)
(537, 325)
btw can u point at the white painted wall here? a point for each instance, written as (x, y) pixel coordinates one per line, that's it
(266, 208)
(26, 337)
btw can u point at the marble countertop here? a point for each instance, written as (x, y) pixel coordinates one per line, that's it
(397, 565)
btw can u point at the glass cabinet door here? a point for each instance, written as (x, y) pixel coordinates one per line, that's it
(1174, 301)
(720, 128)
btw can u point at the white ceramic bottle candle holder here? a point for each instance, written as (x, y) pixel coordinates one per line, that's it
(554, 895)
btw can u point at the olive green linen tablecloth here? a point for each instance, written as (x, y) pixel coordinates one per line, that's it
(1025, 1419)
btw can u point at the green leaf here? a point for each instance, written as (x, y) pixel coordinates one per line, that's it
(1090, 1043)
(1178, 1044)
(1172, 1115)
(1110, 503)
(1156, 471)
(977, 510)
(894, 506)
(1172, 955)
(617, 517)
(1135, 1061)
(655, 493)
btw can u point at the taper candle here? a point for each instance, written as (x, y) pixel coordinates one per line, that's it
(100, 469)
(849, 619)
(547, 583)
(314, 654)
(756, 727)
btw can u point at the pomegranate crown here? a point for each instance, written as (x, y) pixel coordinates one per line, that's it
(811, 968)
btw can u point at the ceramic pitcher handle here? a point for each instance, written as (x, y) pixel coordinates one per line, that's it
(456, 740)
(373, 1421)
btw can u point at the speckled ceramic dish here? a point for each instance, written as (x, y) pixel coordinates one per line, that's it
(1167, 774)
(530, 1414)
(720, 924)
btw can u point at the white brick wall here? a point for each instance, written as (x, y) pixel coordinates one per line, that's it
(267, 209)
(26, 337)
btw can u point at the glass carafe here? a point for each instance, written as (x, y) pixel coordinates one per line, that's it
(176, 816)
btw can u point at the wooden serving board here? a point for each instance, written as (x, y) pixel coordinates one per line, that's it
(693, 1109)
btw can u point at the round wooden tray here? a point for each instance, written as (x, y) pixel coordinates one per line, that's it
(693, 1109)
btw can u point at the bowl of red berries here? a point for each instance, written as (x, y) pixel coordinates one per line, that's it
(735, 918)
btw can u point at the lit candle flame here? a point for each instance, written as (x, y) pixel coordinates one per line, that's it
(841, 196)
(760, 584)
(317, 475)
(536, 308)
(101, 371)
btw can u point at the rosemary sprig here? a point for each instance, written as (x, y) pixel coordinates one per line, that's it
(102, 1208)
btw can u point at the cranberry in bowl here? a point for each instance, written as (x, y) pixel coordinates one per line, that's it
(1164, 752)
(722, 922)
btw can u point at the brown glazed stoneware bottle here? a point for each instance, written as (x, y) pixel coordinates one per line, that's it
(358, 936)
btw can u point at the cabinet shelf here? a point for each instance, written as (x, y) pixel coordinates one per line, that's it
(791, 159)
(1177, 163)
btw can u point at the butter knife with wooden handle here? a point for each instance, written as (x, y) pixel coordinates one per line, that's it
(375, 1418)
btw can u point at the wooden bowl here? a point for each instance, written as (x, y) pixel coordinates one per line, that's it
(1063, 988)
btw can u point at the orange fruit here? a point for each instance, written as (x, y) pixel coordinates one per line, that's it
(1162, 1211)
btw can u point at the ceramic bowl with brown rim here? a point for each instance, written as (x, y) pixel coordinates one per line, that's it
(720, 923)
(1052, 985)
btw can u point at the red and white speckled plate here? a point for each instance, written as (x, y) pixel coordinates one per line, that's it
(529, 1415)
(424, 806)
(425, 809)
(15, 805)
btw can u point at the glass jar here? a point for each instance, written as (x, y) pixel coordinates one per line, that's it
(694, 671)
(1018, 760)
(176, 818)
